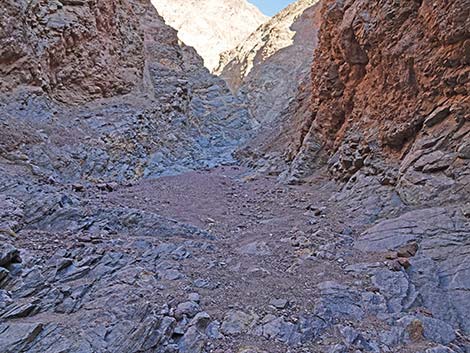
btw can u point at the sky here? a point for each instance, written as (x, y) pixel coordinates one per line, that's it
(271, 7)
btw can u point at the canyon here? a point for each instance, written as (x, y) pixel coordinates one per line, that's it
(312, 194)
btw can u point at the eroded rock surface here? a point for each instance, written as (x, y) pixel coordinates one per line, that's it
(144, 105)
(211, 26)
(367, 253)
(267, 68)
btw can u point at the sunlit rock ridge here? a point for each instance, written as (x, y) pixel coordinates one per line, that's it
(211, 26)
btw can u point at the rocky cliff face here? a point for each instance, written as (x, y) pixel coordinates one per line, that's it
(211, 26)
(389, 115)
(59, 58)
(389, 77)
(267, 68)
(110, 241)
(72, 51)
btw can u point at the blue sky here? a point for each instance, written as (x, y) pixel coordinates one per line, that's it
(271, 7)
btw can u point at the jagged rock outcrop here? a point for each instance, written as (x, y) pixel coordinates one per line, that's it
(159, 109)
(389, 115)
(94, 95)
(70, 50)
(387, 74)
(267, 68)
(211, 26)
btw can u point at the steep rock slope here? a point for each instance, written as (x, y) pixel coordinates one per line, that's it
(267, 68)
(94, 95)
(389, 115)
(388, 75)
(211, 26)
(141, 103)
(74, 52)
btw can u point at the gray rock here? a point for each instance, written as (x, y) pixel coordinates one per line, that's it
(189, 309)
(437, 116)
(194, 297)
(213, 330)
(437, 331)
(8, 254)
(464, 150)
(272, 326)
(279, 303)
(201, 320)
(16, 337)
(396, 288)
(193, 341)
(394, 233)
(5, 299)
(349, 335)
(256, 248)
(338, 302)
(18, 311)
(236, 322)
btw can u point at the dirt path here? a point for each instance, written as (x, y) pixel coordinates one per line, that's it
(266, 239)
(218, 261)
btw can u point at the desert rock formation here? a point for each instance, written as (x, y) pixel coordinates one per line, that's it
(267, 68)
(211, 26)
(109, 81)
(128, 225)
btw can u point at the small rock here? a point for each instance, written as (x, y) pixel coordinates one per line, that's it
(8, 254)
(404, 262)
(437, 116)
(213, 330)
(279, 303)
(408, 250)
(107, 186)
(415, 330)
(5, 299)
(349, 335)
(317, 211)
(78, 187)
(236, 322)
(398, 264)
(255, 248)
(194, 297)
(171, 274)
(437, 330)
(464, 150)
(201, 320)
(189, 309)
(203, 283)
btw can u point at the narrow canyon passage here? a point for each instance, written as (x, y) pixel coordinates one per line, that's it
(192, 176)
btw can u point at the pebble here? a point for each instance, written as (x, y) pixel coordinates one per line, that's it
(279, 303)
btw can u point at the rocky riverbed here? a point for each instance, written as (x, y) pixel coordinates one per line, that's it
(144, 209)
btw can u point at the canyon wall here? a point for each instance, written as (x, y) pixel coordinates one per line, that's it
(390, 81)
(104, 89)
(267, 68)
(387, 74)
(211, 26)
(72, 50)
